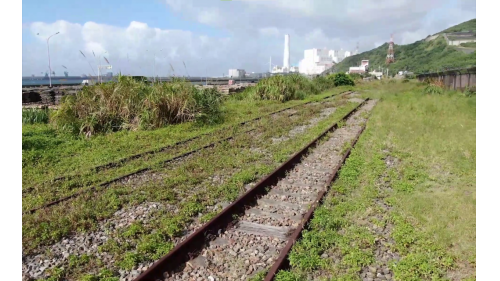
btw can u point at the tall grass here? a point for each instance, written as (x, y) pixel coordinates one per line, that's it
(129, 104)
(284, 88)
(35, 115)
(324, 83)
(434, 87)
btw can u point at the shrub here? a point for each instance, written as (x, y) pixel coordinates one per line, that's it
(35, 115)
(284, 88)
(323, 83)
(133, 104)
(405, 80)
(469, 92)
(433, 89)
(356, 76)
(341, 79)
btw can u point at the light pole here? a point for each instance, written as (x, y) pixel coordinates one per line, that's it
(48, 54)
(99, 76)
(154, 65)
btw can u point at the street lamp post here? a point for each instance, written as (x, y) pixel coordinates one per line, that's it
(48, 54)
(154, 65)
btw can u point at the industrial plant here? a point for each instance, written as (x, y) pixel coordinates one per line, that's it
(315, 60)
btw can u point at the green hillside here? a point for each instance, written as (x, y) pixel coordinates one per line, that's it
(417, 57)
(469, 25)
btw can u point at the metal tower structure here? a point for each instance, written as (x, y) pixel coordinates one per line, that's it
(390, 52)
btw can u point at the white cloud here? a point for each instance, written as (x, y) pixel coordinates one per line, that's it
(256, 29)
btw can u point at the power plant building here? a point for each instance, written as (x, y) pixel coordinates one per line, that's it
(318, 60)
(315, 61)
(236, 73)
(363, 68)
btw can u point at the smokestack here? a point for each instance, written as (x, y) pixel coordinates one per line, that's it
(286, 55)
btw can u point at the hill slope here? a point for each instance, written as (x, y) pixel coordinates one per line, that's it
(418, 57)
(469, 25)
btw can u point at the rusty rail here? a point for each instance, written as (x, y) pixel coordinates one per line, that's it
(196, 241)
(107, 183)
(282, 262)
(161, 149)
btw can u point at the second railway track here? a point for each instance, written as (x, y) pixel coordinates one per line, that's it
(140, 267)
(171, 159)
(248, 236)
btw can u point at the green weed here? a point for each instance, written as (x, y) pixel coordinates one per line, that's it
(36, 116)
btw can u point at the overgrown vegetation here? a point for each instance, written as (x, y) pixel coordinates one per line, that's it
(468, 45)
(467, 26)
(284, 88)
(341, 79)
(129, 104)
(183, 185)
(36, 116)
(419, 57)
(408, 187)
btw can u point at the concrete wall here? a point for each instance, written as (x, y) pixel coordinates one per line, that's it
(456, 79)
(460, 41)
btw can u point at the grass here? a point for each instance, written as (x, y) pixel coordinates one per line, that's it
(48, 153)
(428, 191)
(130, 105)
(468, 45)
(185, 186)
(284, 88)
(35, 116)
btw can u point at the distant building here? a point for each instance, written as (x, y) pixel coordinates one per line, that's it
(378, 75)
(363, 68)
(457, 38)
(109, 74)
(236, 73)
(315, 61)
(258, 75)
(281, 69)
(66, 74)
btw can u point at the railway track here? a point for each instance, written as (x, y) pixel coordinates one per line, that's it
(162, 162)
(124, 160)
(177, 157)
(257, 231)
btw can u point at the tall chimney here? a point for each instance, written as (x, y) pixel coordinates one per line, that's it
(286, 55)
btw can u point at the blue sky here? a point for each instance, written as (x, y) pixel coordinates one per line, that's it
(213, 36)
(112, 12)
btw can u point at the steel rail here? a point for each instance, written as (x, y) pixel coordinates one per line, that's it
(163, 162)
(282, 263)
(106, 183)
(164, 148)
(197, 240)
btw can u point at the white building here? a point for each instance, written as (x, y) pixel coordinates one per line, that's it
(280, 69)
(360, 69)
(236, 73)
(316, 61)
(377, 74)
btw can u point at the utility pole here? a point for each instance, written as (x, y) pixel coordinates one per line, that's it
(48, 54)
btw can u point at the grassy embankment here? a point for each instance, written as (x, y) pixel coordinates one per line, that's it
(409, 184)
(48, 152)
(186, 186)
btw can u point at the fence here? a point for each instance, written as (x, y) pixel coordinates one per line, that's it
(457, 79)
